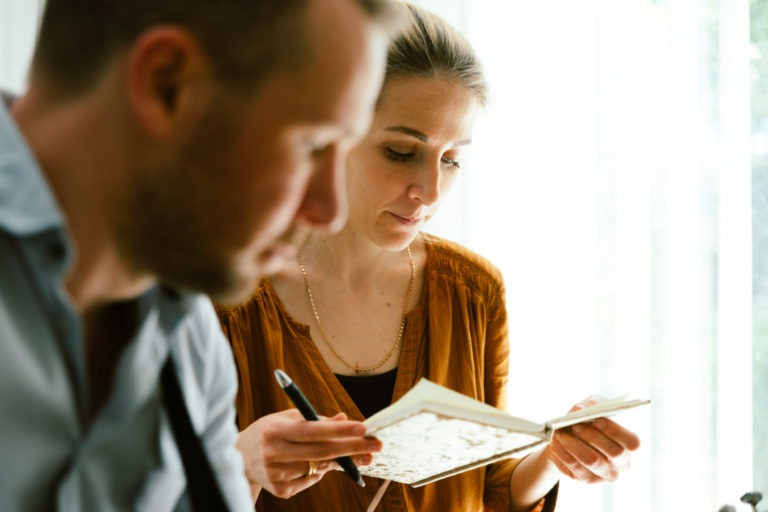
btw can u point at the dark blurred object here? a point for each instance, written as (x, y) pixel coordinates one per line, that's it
(727, 508)
(753, 498)
(6, 98)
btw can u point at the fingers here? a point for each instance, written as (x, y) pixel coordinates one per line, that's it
(626, 438)
(288, 479)
(276, 449)
(298, 470)
(316, 440)
(304, 431)
(339, 417)
(590, 400)
(597, 441)
(294, 477)
(595, 451)
(359, 460)
(280, 450)
(298, 439)
(578, 460)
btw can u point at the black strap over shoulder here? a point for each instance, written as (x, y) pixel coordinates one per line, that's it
(202, 487)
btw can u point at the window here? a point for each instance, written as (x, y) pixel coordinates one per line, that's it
(18, 24)
(611, 181)
(759, 54)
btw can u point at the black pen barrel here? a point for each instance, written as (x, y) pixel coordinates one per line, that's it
(301, 402)
(309, 413)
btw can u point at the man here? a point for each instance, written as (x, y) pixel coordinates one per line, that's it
(163, 147)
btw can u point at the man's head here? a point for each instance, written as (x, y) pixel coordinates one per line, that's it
(245, 39)
(239, 115)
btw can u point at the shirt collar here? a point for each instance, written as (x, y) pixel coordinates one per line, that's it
(27, 205)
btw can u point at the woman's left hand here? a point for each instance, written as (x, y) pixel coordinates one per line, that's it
(595, 451)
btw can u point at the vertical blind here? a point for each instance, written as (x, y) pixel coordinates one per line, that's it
(610, 181)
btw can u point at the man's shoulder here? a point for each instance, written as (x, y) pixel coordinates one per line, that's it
(195, 336)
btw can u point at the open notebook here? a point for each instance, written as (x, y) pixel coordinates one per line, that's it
(433, 432)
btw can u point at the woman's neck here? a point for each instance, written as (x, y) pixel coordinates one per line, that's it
(348, 257)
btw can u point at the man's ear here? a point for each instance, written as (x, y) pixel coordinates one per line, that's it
(167, 70)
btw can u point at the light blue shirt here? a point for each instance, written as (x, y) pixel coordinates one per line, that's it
(127, 458)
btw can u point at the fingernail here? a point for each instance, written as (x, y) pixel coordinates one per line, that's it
(578, 428)
(599, 422)
(359, 430)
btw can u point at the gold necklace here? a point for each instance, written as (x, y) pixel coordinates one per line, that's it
(356, 367)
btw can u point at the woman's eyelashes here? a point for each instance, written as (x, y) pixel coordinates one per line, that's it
(452, 163)
(401, 156)
(398, 156)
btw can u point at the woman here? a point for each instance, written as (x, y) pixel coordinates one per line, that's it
(362, 315)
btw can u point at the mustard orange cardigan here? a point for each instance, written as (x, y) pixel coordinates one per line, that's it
(456, 336)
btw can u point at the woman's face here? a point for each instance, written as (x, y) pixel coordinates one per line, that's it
(412, 153)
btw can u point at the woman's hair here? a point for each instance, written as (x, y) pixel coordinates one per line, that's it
(426, 45)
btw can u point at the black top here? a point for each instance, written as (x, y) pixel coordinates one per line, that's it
(371, 393)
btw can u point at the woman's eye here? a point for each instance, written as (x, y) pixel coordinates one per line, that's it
(397, 155)
(452, 163)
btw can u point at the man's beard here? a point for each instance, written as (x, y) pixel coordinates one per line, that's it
(167, 228)
(167, 238)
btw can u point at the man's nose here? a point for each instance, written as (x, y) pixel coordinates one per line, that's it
(325, 205)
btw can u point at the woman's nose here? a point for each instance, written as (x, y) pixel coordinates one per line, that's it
(426, 188)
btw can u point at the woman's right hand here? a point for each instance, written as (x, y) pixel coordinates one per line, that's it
(277, 449)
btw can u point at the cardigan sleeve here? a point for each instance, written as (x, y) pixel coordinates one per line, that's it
(496, 376)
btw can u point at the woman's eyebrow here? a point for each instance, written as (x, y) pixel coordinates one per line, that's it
(421, 136)
(408, 131)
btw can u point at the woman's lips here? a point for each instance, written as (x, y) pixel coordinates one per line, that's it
(407, 221)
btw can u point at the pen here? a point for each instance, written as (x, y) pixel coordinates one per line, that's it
(309, 413)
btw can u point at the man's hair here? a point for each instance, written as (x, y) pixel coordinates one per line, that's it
(426, 45)
(244, 39)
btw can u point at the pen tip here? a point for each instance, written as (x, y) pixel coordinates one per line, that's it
(360, 482)
(282, 378)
